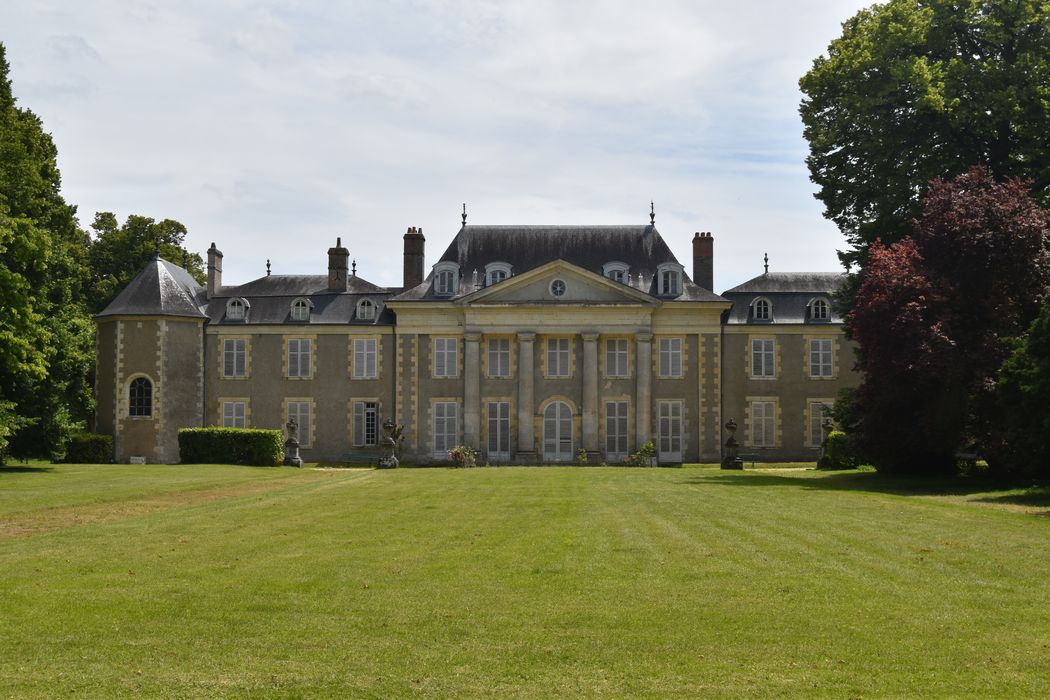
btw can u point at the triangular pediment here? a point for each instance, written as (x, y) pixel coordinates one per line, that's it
(538, 286)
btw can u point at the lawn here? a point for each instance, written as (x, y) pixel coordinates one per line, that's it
(190, 581)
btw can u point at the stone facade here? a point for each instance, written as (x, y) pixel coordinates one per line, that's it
(530, 344)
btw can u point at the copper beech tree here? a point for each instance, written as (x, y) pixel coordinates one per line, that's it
(936, 315)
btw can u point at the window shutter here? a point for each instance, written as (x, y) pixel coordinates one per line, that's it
(359, 423)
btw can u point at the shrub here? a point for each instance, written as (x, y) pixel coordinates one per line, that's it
(838, 452)
(263, 448)
(644, 457)
(89, 448)
(581, 457)
(463, 456)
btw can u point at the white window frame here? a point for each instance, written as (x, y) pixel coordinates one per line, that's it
(669, 277)
(231, 353)
(299, 352)
(445, 427)
(237, 309)
(763, 358)
(296, 410)
(367, 310)
(446, 357)
(144, 411)
(765, 306)
(446, 279)
(557, 421)
(559, 357)
(825, 309)
(498, 358)
(670, 358)
(821, 358)
(235, 414)
(617, 358)
(616, 271)
(763, 424)
(496, 272)
(617, 430)
(498, 438)
(301, 309)
(366, 423)
(365, 358)
(816, 421)
(669, 430)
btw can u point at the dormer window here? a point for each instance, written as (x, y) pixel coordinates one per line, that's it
(616, 271)
(366, 310)
(301, 310)
(496, 272)
(819, 310)
(669, 279)
(761, 310)
(446, 279)
(236, 309)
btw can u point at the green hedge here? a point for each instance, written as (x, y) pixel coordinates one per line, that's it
(89, 448)
(262, 448)
(838, 452)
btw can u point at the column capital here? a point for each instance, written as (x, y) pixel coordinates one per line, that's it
(590, 336)
(472, 336)
(644, 337)
(526, 336)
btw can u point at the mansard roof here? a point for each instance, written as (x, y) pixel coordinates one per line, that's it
(160, 289)
(789, 293)
(589, 247)
(270, 301)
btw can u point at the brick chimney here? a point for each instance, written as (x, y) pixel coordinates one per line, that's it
(704, 260)
(214, 271)
(414, 246)
(337, 267)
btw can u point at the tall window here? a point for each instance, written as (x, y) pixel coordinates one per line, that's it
(669, 283)
(763, 417)
(670, 357)
(446, 427)
(364, 358)
(669, 424)
(299, 358)
(300, 310)
(234, 357)
(299, 411)
(616, 357)
(820, 357)
(762, 310)
(615, 430)
(499, 429)
(819, 310)
(558, 357)
(444, 282)
(446, 359)
(234, 414)
(763, 359)
(366, 423)
(140, 398)
(499, 357)
(817, 413)
(557, 432)
(366, 310)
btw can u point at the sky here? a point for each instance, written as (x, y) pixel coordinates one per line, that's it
(271, 128)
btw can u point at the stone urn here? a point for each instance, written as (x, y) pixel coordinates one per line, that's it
(731, 456)
(388, 445)
(291, 445)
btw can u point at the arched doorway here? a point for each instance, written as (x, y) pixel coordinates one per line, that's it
(557, 432)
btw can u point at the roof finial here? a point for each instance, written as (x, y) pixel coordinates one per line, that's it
(267, 267)
(765, 260)
(353, 268)
(652, 213)
(464, 213)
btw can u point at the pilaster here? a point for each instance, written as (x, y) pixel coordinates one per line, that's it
(526, 407)
(644, 387)
(590, 392)
(472, 390)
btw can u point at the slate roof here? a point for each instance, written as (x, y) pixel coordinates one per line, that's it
(788, 292)
(589, 247)
(160, 289)
(270, 301)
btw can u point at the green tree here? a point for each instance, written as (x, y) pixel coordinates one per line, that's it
(119, 252)
(46, 341)
(916, 90)
(1024, 395)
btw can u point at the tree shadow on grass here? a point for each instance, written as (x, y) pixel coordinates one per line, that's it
(12, 469)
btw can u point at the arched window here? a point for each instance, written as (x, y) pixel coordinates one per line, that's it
(140, 398)
(366, 310)
(819, 310)
(761, 310)
(496, 272)
(669, 279)
(301, 309)
(446, 279)
(616, 271)
(236, 310)
(557, 432)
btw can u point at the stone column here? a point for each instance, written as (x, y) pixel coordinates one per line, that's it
(472, 390)
(526, 407)
(643, 386)
(590, 391)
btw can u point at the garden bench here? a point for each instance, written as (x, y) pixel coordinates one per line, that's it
(752, 457)
(369, 457)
